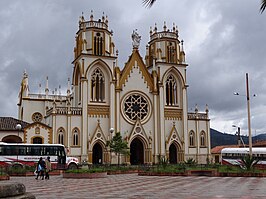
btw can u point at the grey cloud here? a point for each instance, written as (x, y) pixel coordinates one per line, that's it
(223, 41)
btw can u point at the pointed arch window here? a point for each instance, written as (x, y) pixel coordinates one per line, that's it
(191, 139)
(75, 137)
(171, 91)
(202, 139)
(171, 53)
(60, 136)
(98, 44)
(97, 86)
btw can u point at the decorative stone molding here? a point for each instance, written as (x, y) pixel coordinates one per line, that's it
(98, 110)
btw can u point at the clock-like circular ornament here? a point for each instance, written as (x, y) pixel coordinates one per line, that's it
(37, 117)
(136, 105)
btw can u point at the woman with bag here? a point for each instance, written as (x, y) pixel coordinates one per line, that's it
(40, 168)
(48, 167)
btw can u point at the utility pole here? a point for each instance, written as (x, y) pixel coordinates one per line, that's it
(249, 125)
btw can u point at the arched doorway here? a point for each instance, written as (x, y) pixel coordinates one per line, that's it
(37, 140)
(173, 154)
(97, 154)
(136, 152)
(12, 139)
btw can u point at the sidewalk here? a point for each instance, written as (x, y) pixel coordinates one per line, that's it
(141, 187)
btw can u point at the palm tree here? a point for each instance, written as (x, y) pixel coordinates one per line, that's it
(249, 162)
(263, 5)
(148, 3)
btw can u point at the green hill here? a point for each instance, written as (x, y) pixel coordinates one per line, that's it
(218, 138)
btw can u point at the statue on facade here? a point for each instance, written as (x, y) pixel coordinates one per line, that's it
(135, 39)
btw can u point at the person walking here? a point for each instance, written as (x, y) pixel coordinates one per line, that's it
(40, 168)
(48, 168)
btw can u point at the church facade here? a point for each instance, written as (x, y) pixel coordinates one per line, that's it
(145, 100)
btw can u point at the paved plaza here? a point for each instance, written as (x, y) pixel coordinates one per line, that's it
(141, 187)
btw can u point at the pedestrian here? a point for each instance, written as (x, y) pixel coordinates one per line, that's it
(48, 167)
(40, 168)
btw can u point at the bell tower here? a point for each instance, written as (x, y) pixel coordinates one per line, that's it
(164, 47)
(94, 38)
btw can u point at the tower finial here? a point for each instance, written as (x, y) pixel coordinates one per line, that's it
(81, 18)
(196, 108)
(46, 87)
(164, 26)
(68, 86)
(91, 17)
(40, 86)
(103, 17)
(182, 45)
(207, 108)
(25, 75)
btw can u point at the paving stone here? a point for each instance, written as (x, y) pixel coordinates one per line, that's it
(132, 186)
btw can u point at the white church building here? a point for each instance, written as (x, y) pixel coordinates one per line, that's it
(145, 100)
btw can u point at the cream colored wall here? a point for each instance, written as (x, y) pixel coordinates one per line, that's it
(43, 133)
(178, 126)
(30, 107)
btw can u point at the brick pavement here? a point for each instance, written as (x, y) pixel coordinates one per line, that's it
(132, 186)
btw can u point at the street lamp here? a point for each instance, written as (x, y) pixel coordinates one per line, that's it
(18, 127)
(249, 123)
(238, 135)
(111, 132)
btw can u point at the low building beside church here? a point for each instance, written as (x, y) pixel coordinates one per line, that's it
(145, 100)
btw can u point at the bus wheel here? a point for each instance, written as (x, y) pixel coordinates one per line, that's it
(72, 166)
(17, 166)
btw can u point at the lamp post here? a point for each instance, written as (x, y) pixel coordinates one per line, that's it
(111, 132)
(249, 123)
(238, 135)
(18, 127)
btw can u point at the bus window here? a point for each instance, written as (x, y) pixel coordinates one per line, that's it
(28, 150)
(22, 150)
(36, 150)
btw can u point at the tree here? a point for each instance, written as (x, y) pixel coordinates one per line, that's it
(148, 3)
(118, 145)
(263, 5)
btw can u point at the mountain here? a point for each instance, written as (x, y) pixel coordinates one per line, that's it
(218, 138)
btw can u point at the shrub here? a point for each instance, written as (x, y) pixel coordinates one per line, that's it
(190, 162)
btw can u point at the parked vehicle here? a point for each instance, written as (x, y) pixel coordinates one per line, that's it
(233, 156)
(19, 155)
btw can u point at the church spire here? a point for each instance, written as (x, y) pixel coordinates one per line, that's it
(46, 88)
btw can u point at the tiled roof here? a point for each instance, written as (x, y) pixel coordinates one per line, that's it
(259, 143)
(10, 123)
(218, 149)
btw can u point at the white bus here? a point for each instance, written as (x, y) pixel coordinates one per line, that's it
(19, 155)
(233, 156)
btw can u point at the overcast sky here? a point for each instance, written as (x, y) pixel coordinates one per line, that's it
(223, 40)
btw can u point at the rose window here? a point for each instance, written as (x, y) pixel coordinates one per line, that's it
(135, 107)
(37, 117)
